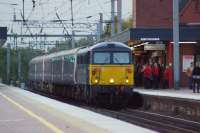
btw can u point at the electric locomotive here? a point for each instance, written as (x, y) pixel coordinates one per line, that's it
(102, 73)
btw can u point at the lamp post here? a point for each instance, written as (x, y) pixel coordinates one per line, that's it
(112, 17)
(23, 10)
(176, 62)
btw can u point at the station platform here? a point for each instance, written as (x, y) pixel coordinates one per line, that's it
(181, 103)
(25, 112)
(183, 93)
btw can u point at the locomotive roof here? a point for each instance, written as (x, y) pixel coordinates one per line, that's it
(108, 44)
(101, 45)
(52, 55)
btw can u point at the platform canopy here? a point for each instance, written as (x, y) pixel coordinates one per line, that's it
(3, 35)
(157, 34)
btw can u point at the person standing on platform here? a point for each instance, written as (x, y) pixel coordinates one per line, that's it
(155, 72)
(196, 78)
(166, 77)
(136, 74)
(189, 75)
(139, 75)
(147, 76)
(160, 76)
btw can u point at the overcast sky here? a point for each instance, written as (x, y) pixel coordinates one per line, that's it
(46, 10)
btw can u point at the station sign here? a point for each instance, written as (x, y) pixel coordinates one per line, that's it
(154, 47)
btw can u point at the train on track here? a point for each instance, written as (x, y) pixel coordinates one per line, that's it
(102, 73)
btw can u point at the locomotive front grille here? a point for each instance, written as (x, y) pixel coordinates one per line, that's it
(111, 75)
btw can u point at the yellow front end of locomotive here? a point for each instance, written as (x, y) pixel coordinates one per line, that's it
(112, 75)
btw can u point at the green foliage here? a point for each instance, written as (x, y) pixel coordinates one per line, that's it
(13, 65)
(127, 23)
(85, 41)
(26, 55)
(67, 44)
(2, 63)
(60, 46)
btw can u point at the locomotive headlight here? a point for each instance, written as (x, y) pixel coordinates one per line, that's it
(127, 80)
(96, 80)
(112, 80)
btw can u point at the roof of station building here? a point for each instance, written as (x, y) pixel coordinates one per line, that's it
(187, 33)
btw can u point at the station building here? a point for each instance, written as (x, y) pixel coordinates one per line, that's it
(152, 34)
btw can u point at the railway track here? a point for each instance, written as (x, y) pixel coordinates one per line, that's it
(157, 122)
(176, 124)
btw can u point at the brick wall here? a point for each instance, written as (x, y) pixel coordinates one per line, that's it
(159, 13)
(191, 13)
(154, 13)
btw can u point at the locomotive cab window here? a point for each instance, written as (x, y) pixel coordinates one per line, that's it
(111, 58)
(102, 58)
(121, 57)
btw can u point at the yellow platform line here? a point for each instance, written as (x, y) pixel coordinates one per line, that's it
(29, 112)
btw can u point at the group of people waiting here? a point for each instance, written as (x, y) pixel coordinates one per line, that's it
(193, 74)
(153, 76)
(156, 76)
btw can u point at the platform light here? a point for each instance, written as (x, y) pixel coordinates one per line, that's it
(127, 80)
(185, 42)
(112, 80)
(132, 48)
(140, 44)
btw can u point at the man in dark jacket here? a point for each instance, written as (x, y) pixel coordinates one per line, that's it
(196, 78)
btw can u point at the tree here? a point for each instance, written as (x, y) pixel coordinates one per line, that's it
(127, 23)
(3, 64)
(85, 41)
(26, 55)
(60, 46)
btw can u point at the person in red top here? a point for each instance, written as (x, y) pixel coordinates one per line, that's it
(147, 76)
(155, 72)
(166, 78)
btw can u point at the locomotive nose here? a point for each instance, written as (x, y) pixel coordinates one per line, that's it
(112, 75)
